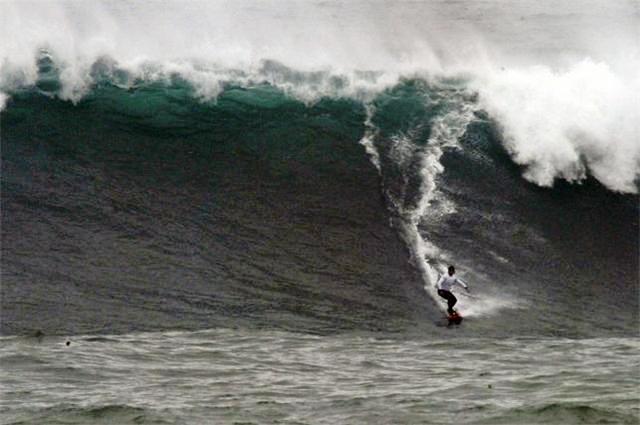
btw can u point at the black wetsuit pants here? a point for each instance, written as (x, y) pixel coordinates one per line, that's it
(451, 299)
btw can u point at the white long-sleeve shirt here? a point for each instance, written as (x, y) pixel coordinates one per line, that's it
(446, 282)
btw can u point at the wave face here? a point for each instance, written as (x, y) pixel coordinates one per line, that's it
(203, 168)
(161, 209)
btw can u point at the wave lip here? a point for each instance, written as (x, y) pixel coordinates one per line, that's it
(569, 123)
(567, 104)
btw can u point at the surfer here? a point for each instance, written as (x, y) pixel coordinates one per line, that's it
(444, 285)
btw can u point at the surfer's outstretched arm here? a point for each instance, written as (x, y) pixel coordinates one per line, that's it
(462, 283)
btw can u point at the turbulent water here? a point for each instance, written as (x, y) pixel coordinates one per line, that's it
(237, 212)
(242, 376)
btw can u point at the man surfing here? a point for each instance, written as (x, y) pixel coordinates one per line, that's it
(444, 285)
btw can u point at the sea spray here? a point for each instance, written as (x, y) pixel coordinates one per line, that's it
(563, 124)
(565, 100)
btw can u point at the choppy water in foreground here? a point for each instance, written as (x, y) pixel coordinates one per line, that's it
(236, 376)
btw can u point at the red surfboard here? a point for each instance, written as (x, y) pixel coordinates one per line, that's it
(454, 318)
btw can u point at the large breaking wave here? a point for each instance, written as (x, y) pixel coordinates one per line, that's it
(567, 102)
(254, 126)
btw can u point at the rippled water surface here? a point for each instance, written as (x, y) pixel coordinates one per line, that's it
(232, 376)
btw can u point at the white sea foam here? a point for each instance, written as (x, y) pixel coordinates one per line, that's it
(562, 79)
(370, 132)
(563, 124)
(486, 305)
(445, 133)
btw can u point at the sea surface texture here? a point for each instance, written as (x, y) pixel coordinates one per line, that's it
(236, 212)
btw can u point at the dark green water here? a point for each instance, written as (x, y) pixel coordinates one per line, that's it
(146, 209)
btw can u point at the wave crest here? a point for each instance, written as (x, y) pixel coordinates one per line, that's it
(568, 124)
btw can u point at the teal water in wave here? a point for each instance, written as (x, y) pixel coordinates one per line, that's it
(235, 376)
(249, 206)
(259, 259)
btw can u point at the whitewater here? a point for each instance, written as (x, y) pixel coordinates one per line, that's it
(574, 91)
(237, 211)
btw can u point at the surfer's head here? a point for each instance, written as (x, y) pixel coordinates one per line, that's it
(452, 270)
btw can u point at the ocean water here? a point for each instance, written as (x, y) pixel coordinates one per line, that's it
(236, 213)
(239, 376)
